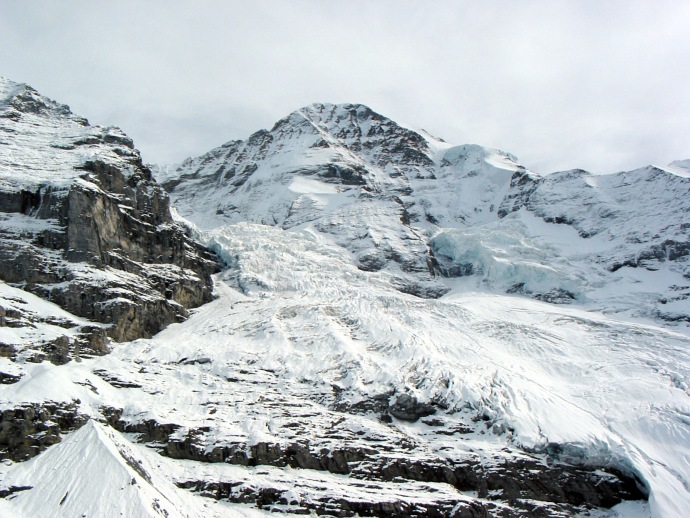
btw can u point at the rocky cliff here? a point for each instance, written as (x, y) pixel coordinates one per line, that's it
(84, 225)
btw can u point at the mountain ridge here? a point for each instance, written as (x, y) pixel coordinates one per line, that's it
(324, 164)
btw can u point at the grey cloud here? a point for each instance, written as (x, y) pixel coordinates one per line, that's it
(598, 85)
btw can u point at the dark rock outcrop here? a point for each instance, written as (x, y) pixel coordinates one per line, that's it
(74, 340)
(27, 430)
(407, 408)
(534, 485)
(522, 184)
(269, 499)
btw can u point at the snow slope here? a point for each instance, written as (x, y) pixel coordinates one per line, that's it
(96, 472)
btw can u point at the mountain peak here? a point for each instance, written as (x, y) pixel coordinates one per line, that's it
(18, 98)
(50, 144)
(9, 89)
(336, 119)
(330, 111)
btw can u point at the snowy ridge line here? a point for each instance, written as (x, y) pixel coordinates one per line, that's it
(44, 143)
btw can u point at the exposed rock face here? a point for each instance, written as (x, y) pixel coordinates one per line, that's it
(535, 485)
(34, 330)
(407, 408)
(27, 430)
(270, 499)
(83, 223)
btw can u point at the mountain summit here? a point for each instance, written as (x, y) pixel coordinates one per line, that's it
(413, 205)
(398, 326)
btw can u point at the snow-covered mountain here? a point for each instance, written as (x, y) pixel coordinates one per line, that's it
(402, 328)
(412, 205)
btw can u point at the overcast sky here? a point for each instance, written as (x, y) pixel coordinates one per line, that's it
(600, 85)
